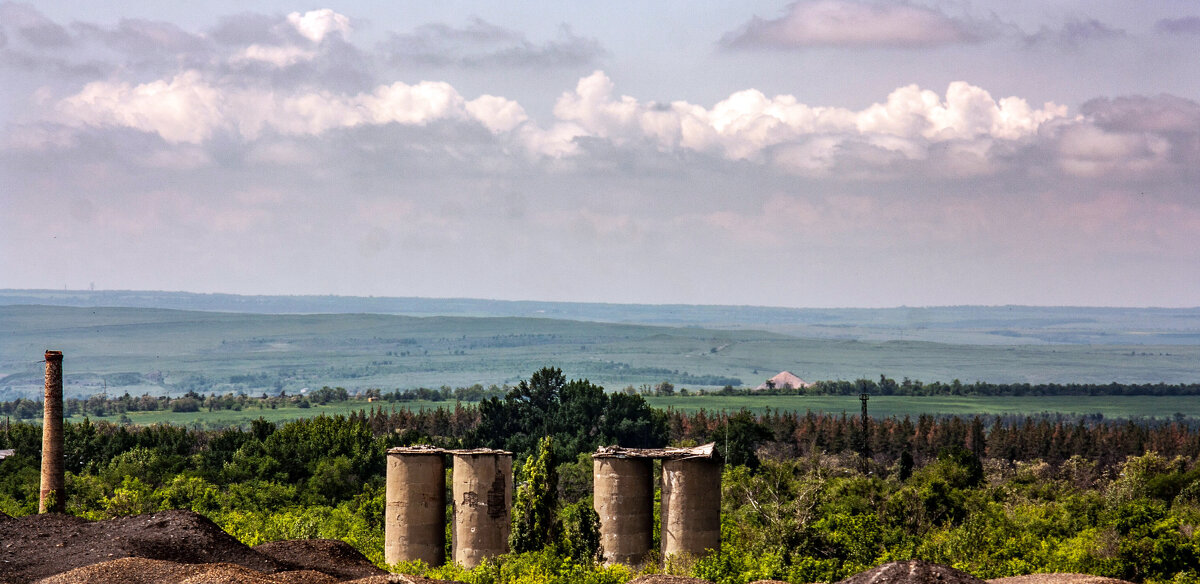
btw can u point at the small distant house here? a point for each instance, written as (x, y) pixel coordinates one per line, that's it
(785, 380)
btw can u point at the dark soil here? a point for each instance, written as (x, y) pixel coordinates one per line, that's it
(169, 547)
(334, 557)
(37, 546)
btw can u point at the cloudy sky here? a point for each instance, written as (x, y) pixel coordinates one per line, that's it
(815, 153)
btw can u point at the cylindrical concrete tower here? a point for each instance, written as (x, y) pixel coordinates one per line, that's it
(483, 484)
(624, 500)
(691, 506)
(414, 526)
(53, 495)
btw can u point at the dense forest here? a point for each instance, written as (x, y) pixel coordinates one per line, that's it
(995, 496)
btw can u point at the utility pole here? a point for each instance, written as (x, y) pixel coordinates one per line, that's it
(866, 436)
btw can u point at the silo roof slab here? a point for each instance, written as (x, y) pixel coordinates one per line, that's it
(418, 449)
(474, 451)
(702, 451)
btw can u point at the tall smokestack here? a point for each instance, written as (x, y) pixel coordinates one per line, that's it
(53, 496)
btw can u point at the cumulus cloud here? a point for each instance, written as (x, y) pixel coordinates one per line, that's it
(1188, 25)
(315, 25)
(963, 130)
(913, 131)
(482, 44)
(189, 108)
(849, 23)
(748, 125)
(1133, 137)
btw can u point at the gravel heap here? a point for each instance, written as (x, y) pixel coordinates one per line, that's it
(169, 547)
(665, 579)
(912, 572)
(1057, 578)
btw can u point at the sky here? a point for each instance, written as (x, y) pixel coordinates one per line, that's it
(819, 153)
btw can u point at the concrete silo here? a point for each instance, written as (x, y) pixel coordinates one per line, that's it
(691, 504)
(483, 484)
(415, 515)
(623, 484)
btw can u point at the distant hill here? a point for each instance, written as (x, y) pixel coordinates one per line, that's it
(1001, 325)
(152, 350)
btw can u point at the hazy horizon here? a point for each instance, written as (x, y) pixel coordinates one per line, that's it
(553, 301)
(807, 154)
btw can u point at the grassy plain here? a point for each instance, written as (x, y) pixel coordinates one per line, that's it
(118, 350)
(884, 405)
(243, 417)
(1112, 407)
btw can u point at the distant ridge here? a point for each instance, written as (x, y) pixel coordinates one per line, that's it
(999, 325)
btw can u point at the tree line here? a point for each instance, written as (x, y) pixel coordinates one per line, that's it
(910, 387)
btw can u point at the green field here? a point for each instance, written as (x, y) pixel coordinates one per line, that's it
(884, 405)
(230, 418)
(880, 406)
(118, 350)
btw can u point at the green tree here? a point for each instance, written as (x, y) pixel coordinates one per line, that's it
(578, 414)
(534, 510)
(580, 528)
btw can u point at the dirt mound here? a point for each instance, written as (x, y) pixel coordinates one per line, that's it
(37, 546)
(1057, 578)
(145, 571)
(912, 572)
(770, 582)
(174, 547)
(331, 556)
(665, 579)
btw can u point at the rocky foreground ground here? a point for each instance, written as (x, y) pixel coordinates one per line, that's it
(182, 547)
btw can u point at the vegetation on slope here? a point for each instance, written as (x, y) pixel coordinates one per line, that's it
(996, 497)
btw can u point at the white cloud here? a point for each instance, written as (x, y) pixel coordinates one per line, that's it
(188, 108)
(315, 25)
(963, 132)
(748, 123)
(184, 109)
(846, 23)
(497, 113)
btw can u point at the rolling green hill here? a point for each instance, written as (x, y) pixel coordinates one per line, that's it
(154, 350)
(1004, 325)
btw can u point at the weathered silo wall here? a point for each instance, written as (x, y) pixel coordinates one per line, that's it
(691, 506)
(414, 526)
(53, 495)
(624, 500)
(483, 483)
